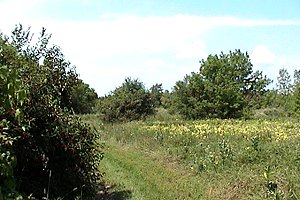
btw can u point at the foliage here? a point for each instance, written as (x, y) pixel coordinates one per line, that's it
(284, 82)
(231, 155)
(156, 92)
(131, 101)
(224, 87)
(56, 154)
(285, 97)
(12, 97)
(297, 100)
(296, 77)
(83, 98)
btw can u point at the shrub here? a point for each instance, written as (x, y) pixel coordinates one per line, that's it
(131, 101)
(57, 155)
(12, 96)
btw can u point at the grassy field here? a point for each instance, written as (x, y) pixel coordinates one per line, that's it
(206, 159)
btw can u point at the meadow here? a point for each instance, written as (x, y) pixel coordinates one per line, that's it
(171, 158)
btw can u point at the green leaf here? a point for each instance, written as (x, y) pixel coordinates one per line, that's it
(10, 88)
(18, 113)
(22, 96)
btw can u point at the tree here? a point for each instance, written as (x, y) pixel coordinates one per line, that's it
(131, 101)
(224, 87)
(83, 98)
(156, 92)
(296, 77)
(284, 82)
(287, 91)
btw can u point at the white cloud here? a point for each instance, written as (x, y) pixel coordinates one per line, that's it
(111, 47)
(233, 21)
(115, 47)
(17, 11)
(262, 55)
(91, 45)
(196, 49)
(270, 63)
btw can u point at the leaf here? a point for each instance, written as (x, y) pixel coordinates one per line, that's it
(266, 175)
(22, 96)
(10, 88)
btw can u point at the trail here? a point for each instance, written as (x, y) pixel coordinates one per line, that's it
(139, 174)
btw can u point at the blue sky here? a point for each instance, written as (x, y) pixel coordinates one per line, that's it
(160, 41)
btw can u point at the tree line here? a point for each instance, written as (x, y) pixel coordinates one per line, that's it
(46, 151)
(226, 86)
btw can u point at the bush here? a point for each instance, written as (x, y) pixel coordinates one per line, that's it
(131, 101)
(57, 156)
(271, 113)
(12, 96)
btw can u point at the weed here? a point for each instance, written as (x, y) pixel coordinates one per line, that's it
(226, 152)
(220, 154)
(272, 190)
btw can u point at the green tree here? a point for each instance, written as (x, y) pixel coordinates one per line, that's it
(296, 81)
(224, 87)
(166, 99)
(131, 101)
(297, 100)
(156, 92)
(296, 93)
(284, 82)
(286, 91)
(83, 98)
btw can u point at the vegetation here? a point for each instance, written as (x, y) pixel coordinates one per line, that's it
(156, 92)
(224, 88)
(219, 134)
(131, 101)
(83, 98)
(203, 159)
(167, 156)
(12, 97)
(45, 151)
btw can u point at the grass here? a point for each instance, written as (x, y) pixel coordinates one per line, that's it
(206, 159)
(147, 176)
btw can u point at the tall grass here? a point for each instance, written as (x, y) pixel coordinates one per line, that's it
(235, 159)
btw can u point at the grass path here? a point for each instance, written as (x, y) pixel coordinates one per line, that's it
(146, 175)
(140, 164)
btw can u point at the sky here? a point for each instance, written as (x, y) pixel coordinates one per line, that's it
(160, 41)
